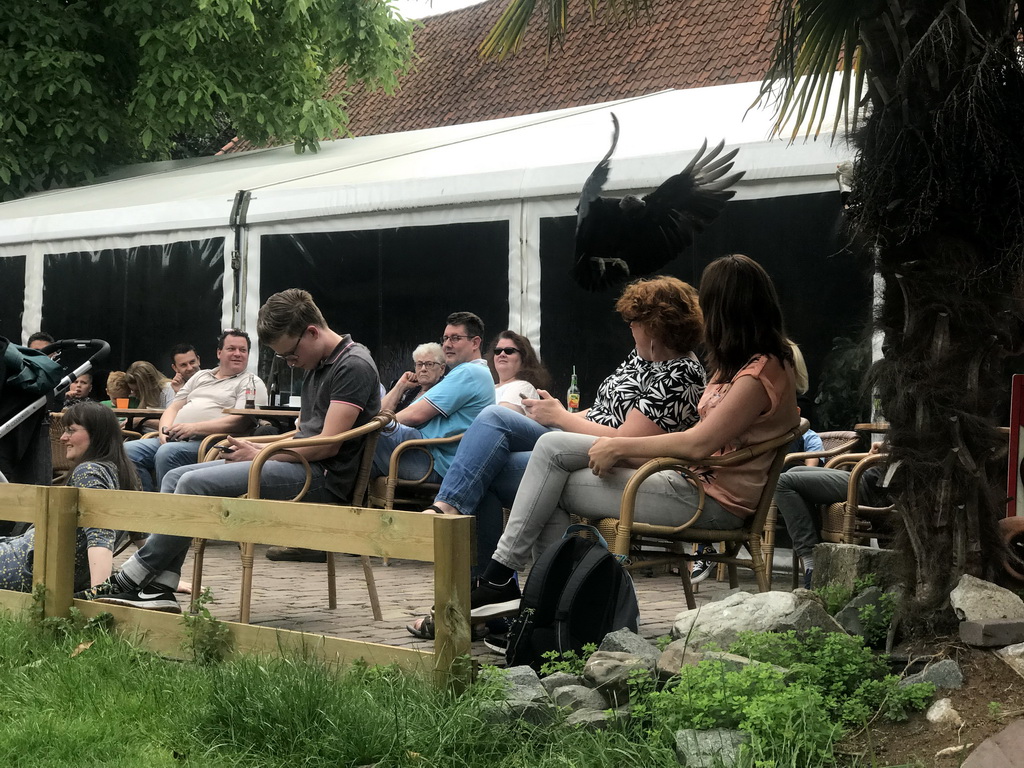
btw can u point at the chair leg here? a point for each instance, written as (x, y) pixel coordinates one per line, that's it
(332, 583)
(371, 587)
(768, 547)
(757, 564)
(199, 545)
(684, 574)
(796, 570)
(245, 598)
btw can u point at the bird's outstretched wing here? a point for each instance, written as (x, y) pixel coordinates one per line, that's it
(595, 182)
(681, 207)
(620, 239)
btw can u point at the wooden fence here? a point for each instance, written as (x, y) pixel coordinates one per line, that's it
(443, 540)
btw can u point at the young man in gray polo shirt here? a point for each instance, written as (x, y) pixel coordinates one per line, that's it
(341, 390)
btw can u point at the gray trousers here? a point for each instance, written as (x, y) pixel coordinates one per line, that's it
(558, 483)
(802, 489)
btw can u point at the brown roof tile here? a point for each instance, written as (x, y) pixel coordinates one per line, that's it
(686, 44)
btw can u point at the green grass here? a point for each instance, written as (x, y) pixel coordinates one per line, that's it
(111, 704)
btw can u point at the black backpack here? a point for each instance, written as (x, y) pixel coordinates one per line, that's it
(577, 593)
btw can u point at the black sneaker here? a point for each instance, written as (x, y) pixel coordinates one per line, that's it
(807, 578)
(112, 586)
(497, 643)
(490, 600)
(702, 568)
(153, 597)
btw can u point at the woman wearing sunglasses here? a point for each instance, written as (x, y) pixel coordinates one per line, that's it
(517, 371)
(654, 391)
(92, 439)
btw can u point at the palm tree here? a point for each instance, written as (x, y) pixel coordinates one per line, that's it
(932, 93)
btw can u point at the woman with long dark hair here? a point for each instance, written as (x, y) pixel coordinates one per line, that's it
(93, 440)
(751, 398)
(654, 391)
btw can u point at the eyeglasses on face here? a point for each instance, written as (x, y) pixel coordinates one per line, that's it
(506, 351)
(426, 364)
(455, 338)
(291, 356)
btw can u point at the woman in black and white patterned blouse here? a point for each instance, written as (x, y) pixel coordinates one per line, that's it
(92, 438)
(655, 390)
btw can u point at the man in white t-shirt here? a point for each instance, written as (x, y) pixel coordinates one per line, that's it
(198, 410)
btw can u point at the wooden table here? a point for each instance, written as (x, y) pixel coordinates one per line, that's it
(141, 414)
(282, 418)
(878, 426)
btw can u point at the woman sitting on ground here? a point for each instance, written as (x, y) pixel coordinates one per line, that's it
(428, 369)
(518, 372)
(653, 392)
(92, 439)
(751, 398)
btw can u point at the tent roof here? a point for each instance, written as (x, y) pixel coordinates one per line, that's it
(530, 156)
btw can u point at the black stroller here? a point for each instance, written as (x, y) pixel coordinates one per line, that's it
(30, 385)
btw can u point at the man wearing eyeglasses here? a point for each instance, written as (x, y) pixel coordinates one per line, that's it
(197, 411)
(446, 409)
(340, 391)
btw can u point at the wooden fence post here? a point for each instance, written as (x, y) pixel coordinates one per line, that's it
(58, 567)
(453, 553)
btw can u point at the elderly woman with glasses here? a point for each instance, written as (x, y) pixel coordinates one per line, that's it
(428, 369)
(654, 391)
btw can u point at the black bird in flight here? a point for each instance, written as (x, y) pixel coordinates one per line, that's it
(618, 239)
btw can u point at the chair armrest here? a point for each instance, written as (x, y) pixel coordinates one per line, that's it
(684, 466)
(846, 460)
(837, 450)
(420, 444)
(853, 488)
(283, 444)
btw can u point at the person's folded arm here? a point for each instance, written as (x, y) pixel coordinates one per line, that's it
(742, 404)
(417, 414)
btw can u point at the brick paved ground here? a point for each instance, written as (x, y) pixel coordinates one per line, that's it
(294, 596)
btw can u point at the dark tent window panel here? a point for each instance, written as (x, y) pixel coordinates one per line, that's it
(141, 300)
(12, 278)
(825, 289)
(393, 288)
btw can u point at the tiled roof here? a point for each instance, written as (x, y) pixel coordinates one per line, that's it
(685, 44)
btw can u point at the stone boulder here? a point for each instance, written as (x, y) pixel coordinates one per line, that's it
(721, 622)
(676, 655)
(942, 674)
(609, 672)
(715, 748)
(976, 600)
(625, 641)
(845, 564)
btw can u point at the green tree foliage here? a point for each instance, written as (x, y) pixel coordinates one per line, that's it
(88, 84)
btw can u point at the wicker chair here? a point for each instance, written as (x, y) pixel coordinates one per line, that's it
(833, 444)
(392, 492)
(276, 444)
(849, 521)
(629, 535)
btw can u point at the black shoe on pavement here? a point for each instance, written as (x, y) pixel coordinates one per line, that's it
(807, 578)
(296, 555)
(497, 643)
(491, 600)
(153, 597)
(112, 586)
(702, 568)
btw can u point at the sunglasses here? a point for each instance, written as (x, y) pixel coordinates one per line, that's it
(506, 351)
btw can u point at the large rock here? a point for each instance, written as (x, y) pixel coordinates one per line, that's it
(849, 614)
(942, 713)
(845, 564)
(576, 697)
(522, 684)
(1004, 750)
(721, 622)
(942, 674)
(676, 655)
(1013, 655)
(610, 672)
(625, 641)
(976, 600)
(716, 748)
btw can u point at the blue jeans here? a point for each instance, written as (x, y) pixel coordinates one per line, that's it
(487, 469)
(150, 457)
(413, 465)
(161, 557)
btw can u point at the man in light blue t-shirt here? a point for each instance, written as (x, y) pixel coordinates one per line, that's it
(446, 409)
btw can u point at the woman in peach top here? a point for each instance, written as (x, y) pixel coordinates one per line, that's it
(751, 398)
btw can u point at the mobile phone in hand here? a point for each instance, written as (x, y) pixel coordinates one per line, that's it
(225, 448)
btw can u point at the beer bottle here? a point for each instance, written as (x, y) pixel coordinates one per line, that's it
(572, 397)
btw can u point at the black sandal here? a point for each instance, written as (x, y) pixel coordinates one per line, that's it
(438, 511)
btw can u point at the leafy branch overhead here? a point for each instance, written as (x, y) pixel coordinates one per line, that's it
(93, 84)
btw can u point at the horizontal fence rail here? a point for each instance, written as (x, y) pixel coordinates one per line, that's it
(444, 540)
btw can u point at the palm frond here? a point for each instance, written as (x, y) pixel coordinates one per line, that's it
(509, 31)
(819, 50)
